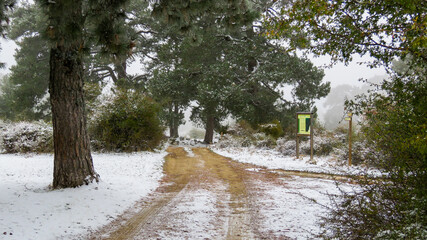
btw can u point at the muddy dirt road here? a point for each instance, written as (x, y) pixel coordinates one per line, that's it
(202, 196)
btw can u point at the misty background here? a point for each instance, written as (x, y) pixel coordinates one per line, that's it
(345, 83)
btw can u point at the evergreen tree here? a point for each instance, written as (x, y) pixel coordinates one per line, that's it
(341, 28)
(26, 92)
(237, 71)
(27, 95)
(72, 160)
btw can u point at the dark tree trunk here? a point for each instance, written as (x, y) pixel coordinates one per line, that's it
(210, 125)
(174, 124)
(120, 69)
(72, 160)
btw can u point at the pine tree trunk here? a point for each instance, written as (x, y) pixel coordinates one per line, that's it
(72, 160)
(120, 67)
(210, 125)
(173, 120)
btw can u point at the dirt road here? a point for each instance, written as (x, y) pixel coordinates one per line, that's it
(202, 196)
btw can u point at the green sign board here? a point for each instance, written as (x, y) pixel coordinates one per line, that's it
(304, 123)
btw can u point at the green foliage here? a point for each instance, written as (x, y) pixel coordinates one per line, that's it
(396, 117)
(92, 90)
(273, 129)
(25, 94)
(186, 15)
(129, 123)
(393, 208)
(242, 128)
(340, 28)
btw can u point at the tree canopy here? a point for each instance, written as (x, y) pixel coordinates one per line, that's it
(341, 28)
(234, 70)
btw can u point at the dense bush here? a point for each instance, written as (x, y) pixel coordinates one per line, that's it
(241, 128)
(286, 147)
(273, 129)
(322, 145)
(129, 123)
(25, 137)
(242, 134)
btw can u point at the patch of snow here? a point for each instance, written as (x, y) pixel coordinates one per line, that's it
(195, 214)
(30, 210)
(190, 152)
(273, 159)
(294, 211)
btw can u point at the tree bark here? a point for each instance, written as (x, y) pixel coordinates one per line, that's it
(73, 164)
(210, 125)
(174, 120)
(120, 67)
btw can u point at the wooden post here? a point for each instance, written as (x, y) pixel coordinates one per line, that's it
(311, 136)
(349, 138)
(297, 139)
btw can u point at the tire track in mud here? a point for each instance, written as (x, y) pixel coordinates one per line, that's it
(240, 224)
(178, 173)
(184, 175)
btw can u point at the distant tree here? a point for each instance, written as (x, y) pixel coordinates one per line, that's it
(27, 95)
(174, 90)
(238, 71)
(5, 6)
(193, 19)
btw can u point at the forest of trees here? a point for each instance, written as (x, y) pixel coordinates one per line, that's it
(229, 58)
(213, 54)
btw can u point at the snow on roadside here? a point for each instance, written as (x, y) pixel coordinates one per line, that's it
(295, 211)
(274, 160)
(29, 210)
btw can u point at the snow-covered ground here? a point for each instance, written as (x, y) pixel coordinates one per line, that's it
(29, 210)
(272, 159)
(295, 211)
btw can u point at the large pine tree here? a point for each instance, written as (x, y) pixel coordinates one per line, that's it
(73, 164)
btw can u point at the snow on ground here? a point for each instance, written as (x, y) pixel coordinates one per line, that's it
(29, 210)
(195, 216)
(295, 210)
(274, 160)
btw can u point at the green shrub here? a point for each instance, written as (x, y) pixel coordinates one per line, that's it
(129, 123)
(273, 129)
(26, 137)
(241, 128)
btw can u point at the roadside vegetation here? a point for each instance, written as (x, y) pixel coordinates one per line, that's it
(223, 59)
